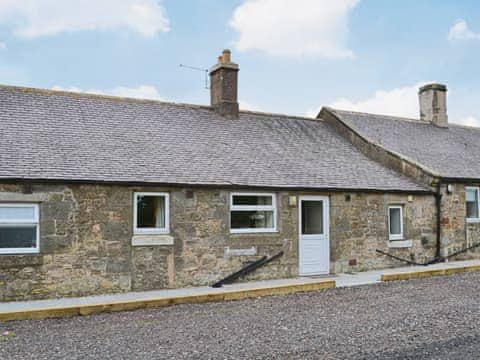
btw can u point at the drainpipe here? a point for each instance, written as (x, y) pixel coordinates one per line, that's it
(438, 202)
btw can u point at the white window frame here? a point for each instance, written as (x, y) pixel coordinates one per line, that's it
(151, 231)
(23, 223)
(477, 189)
(272, 207)
(395, 236)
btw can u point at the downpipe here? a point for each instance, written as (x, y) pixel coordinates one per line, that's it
(438, 202)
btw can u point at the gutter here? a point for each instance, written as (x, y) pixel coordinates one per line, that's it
(213, 186)
(459, 180)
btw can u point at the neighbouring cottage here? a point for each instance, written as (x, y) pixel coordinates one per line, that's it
(430, 150)
(101, 194)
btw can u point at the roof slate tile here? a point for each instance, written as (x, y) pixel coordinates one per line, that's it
(67, 136)
(452, 152)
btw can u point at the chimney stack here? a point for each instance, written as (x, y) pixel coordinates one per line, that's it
(433, 104)
(224, 86)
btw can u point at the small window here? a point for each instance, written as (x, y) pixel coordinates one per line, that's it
(252, 213)
(151, 213)
(395, 222)
(473, 206)
(19, 228)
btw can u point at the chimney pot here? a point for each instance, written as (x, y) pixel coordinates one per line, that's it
(224, 86)
(433, 104)
(226, 55)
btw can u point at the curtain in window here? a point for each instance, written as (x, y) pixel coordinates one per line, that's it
(160, 212)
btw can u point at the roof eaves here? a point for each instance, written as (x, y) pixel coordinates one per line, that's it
(226, 185)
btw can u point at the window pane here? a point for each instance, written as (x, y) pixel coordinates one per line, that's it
(395, 221)
(252, 200)
(17, 213)
(252, 219)
(18, 237)
(472, 210)
(471, 194)
(150, 211)
(472, 203)
(312, 217)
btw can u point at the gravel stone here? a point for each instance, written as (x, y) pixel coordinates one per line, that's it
(434, 318)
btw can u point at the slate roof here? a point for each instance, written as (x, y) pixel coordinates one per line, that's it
(452, 152)
(68, 136)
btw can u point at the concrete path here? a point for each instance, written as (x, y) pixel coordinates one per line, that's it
(66, 307)
(372, 277)
(135, 300)
(149, 295)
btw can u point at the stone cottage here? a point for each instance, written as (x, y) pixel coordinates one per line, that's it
(102, 194)
(440, 155)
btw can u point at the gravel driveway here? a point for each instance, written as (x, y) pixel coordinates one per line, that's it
(436, 318)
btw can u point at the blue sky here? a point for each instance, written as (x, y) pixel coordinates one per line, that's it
(294, 55)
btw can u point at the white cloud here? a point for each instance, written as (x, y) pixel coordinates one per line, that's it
(469, 121)
(139, 92)
(294, 28)
(402, 101)
(3, 46)
(245, 105)
(33, 18)
(460, 31)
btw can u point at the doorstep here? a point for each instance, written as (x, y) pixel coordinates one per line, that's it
(67, 307)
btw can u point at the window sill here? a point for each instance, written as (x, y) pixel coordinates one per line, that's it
(152, 240)
(254, 231)
(19, 251)
(473, 220)
(398, 244)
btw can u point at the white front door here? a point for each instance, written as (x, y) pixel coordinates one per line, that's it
(314, 248)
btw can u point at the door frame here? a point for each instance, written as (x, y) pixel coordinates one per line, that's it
(326, 227)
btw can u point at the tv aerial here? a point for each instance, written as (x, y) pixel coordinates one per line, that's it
(205, 72)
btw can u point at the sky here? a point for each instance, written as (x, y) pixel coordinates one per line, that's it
(294, 55)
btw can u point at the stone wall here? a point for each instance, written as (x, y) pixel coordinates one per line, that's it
(83, 243)
(358, 227)
(457, 233)
(86, 233)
